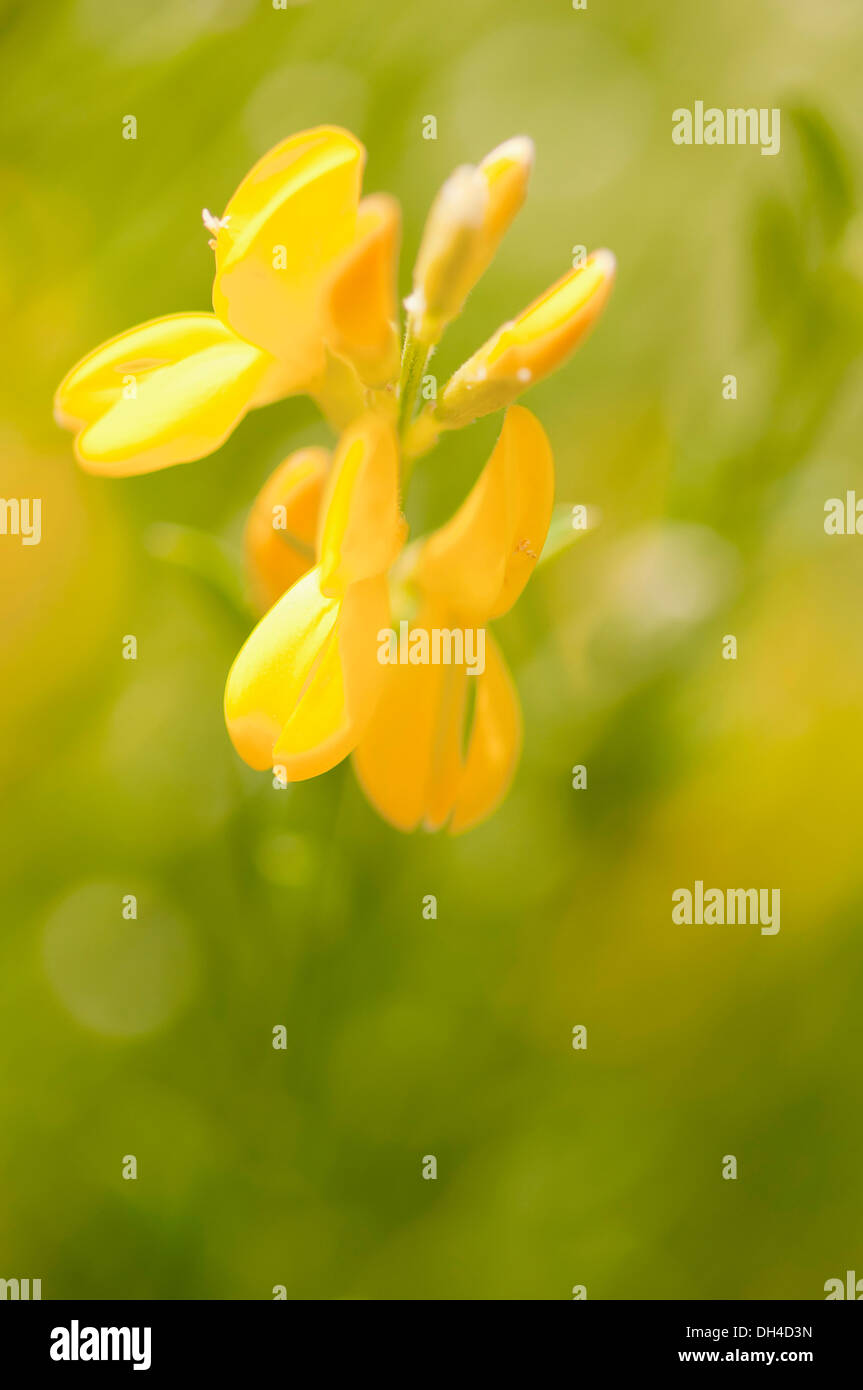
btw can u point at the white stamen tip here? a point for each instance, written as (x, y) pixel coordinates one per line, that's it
(213, 224)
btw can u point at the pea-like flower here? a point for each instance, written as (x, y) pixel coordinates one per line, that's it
(306, 682)
(410, 761)
(304, 299)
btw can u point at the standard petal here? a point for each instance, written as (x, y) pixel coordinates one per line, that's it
(361, 305)
(176, 413)
(279, 539)
(288, 221)
(494, 746)
(479, 562)
(362, 529)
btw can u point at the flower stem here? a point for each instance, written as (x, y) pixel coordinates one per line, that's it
(414, 357)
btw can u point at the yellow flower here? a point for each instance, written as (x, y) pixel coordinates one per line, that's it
(409, 761)
(306, 682)
(300, 264)
(304, 295)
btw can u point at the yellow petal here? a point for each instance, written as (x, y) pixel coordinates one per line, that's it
(506, 172)
(305, 682)
(361, 305)
(479, 562)
(288, 221)
(494, 747)
(394, 759)
(409, 761)
(446, 769)
(279, 539)
(531, 346)
(343, 688)
(96, 382)
(276, 383)
(175, 413)
(272, 667)
(338, 392)
(362, 529)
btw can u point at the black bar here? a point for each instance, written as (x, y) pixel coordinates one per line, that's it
(235, 1337)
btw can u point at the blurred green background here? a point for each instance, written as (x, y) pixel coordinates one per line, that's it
(258, 907)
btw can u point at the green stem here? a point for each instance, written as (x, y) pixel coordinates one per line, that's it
(414, 357)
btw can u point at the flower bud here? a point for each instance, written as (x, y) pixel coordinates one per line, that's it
(506, 172)
(443, 274)
(464, 229)
(531, 346)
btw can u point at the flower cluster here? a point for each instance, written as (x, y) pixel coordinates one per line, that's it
(305, 301)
